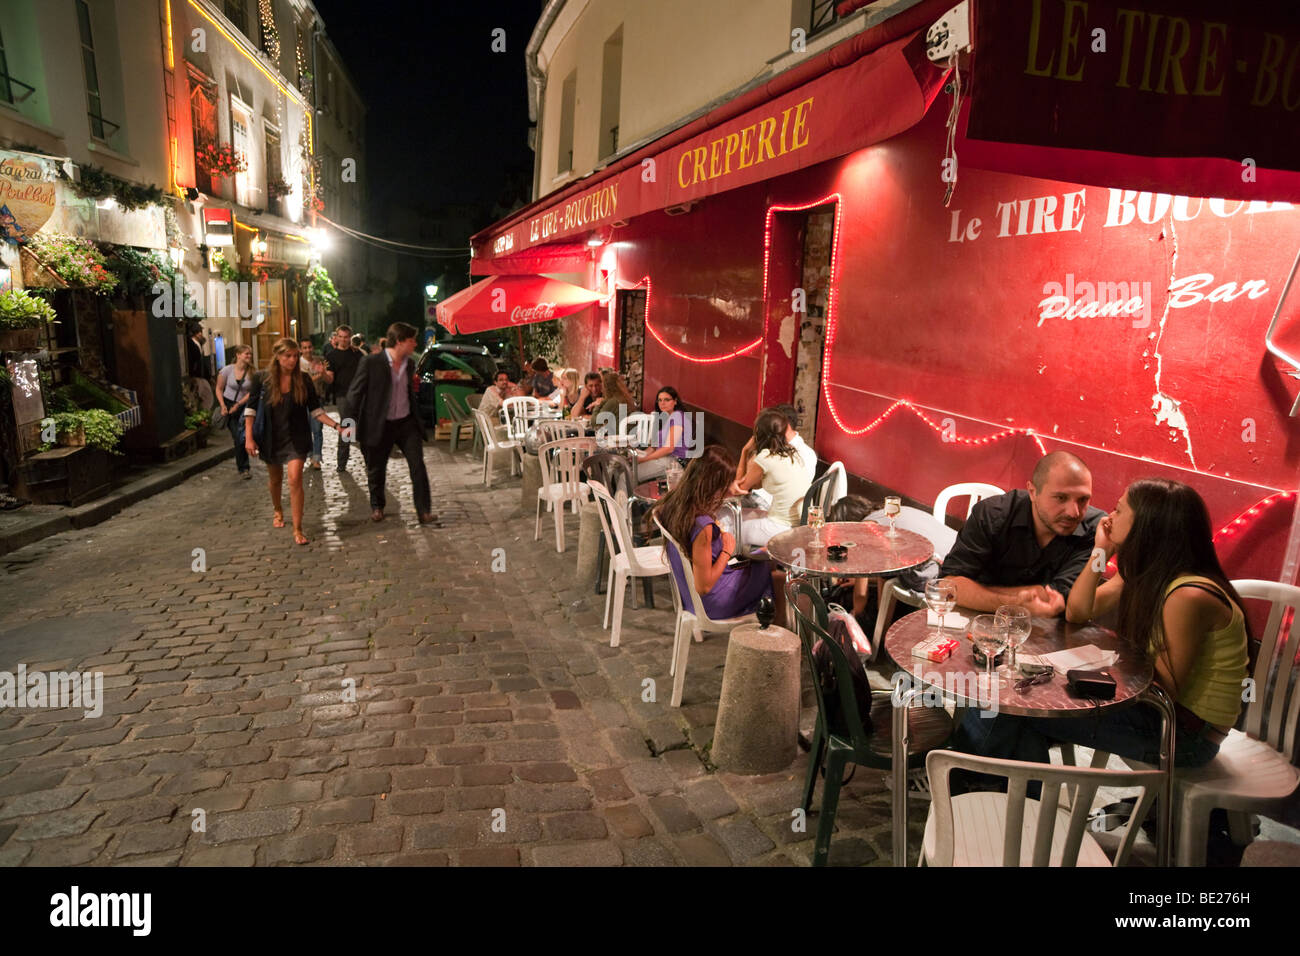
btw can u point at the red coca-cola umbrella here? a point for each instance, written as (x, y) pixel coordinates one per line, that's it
(502, 301)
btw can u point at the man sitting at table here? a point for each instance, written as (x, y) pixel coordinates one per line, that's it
(1027, 546)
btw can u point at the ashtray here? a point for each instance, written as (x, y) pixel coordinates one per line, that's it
(837, 552)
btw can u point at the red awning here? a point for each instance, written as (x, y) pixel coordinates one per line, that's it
(502, 301)
(872, 86)
(1190, 97)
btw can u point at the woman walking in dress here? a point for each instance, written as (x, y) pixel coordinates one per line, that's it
(283, 398)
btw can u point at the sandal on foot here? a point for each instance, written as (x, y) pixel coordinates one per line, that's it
(278, 520)
(299, 537)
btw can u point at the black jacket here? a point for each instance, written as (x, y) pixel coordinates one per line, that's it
(368, 395)
(299, 415)
(343, 363)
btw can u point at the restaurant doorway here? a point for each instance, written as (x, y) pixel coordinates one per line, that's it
(631, 341)
(798, 288)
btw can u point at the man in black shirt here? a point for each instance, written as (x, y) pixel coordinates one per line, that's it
(341, 363)
(1027, 547)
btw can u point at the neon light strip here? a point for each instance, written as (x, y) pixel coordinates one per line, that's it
(645, 281)
(171, 55)
(251, 59)
(1237, 523)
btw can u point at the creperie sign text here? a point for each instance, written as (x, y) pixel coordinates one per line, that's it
(503, 243)
(595, 206)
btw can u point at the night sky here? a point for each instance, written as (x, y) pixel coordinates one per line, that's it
(447, 117)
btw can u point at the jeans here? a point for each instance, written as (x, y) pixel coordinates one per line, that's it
(1133, 732)
(317, 437)
(235, 422)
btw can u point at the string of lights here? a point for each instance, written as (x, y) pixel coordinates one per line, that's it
(654, 334)
(358, 234)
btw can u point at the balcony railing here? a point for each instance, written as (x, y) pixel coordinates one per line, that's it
(8, 82)
(97, 124)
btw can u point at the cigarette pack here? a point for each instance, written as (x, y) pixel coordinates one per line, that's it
(935, 649)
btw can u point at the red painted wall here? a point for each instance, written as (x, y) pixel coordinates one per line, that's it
(956, 327)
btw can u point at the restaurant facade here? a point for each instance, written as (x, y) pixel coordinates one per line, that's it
(946, 297)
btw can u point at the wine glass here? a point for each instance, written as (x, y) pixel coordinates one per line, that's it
(990, 636)
(940, 597)
(1019, 627)
(893, 508)
(815, 521)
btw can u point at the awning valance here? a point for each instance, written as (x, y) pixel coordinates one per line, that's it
(502, 301)
(1181, 96)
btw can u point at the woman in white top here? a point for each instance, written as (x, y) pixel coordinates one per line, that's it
(778, 467)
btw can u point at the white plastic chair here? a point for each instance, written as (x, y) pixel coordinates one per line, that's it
(561, 463)
(1254, 770)
(693, 622)
(548, 431)
(891, 592)
(626, 560)
(492, 447)
(639, 427)
(977, 490)
(519, 412)
(1006, 829)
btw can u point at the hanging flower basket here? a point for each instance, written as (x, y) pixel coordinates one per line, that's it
(276, 188)
(220, 161)
(19, 340)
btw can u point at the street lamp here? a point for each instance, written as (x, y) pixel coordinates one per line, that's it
(430, 291)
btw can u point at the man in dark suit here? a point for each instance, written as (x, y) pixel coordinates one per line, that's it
(382, 399)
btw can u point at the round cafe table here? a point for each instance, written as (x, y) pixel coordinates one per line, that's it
(871, 551)
(1133, 684)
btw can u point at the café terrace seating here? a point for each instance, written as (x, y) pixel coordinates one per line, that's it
(1254, 772)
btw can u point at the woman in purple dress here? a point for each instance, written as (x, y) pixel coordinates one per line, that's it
(689, 513)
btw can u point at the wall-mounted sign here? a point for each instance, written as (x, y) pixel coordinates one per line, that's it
(26, 194)
(218, 227)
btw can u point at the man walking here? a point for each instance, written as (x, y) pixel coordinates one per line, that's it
(342, 362)
(383, 401)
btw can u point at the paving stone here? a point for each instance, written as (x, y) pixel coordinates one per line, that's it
(648, 776)
(65, 823)
(601, 853)
(673, 811)
(297, 791)
(546, 773)
(489, 856)
(368, 841)
(608, 785)
(140, 810)
(648, 852)
(411, 802)
(700, 849)
(453, 833)
(574, 826)
(75, 852)
(542, 799)
(744, 841)
(155, 839)
(42, 801)
(251, 825)
(481, 774)
(420, 859)
(627, 821)
(348, 810)
(194, 781)
(322, 764)
(710, 800)
(299, 848)
(362, 784)
(223, 856)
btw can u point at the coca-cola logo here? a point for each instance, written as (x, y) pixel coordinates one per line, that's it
(540, 312)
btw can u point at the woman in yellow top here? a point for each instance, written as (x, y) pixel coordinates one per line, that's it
(1177, 606)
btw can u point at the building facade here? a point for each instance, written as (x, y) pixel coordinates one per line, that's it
(777, 223)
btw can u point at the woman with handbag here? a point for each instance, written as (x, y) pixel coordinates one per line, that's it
(234, 385)
(282, 401)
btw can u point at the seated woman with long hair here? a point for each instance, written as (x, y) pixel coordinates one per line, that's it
(779, 469)
(689, 514)
(1175, 606)
(617, 403)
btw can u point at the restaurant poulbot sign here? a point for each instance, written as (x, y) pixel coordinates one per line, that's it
(27, 185)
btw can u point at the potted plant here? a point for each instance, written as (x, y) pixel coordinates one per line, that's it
(275, 188)
(21, 316)
(198, 422)
(95, 428)
(219, 161)
(75, 260)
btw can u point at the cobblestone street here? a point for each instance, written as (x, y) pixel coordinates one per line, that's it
(492, 723)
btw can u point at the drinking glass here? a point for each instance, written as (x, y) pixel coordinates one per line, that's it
(990, 636)
(940, 597)
(1019, 627)
(815, 521)
(893, 508)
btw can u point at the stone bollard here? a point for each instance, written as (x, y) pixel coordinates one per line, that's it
(758, 715)
(532, 470)
(589, 535)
